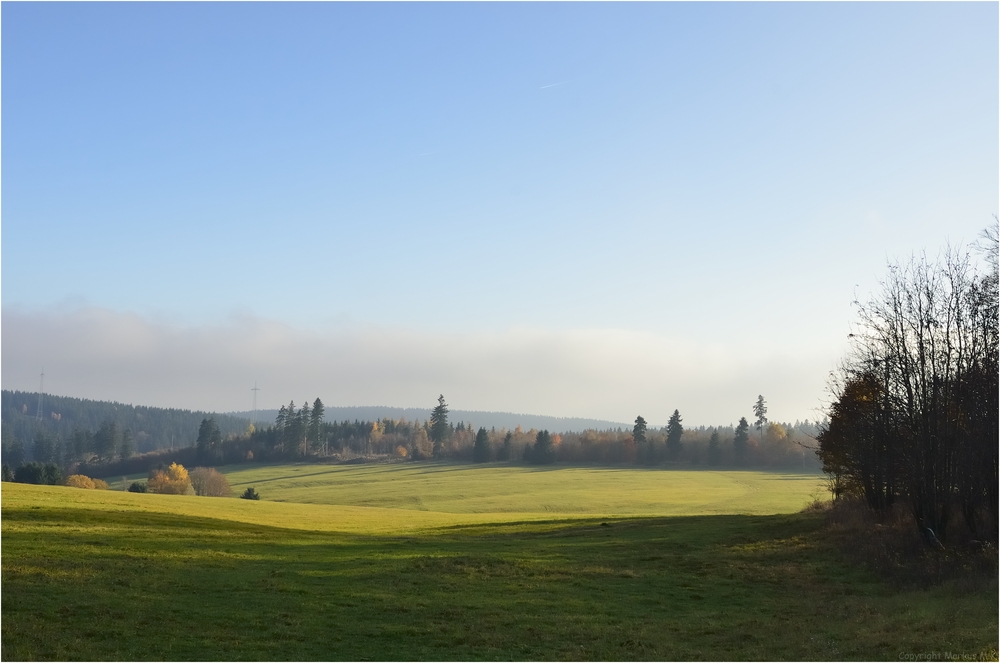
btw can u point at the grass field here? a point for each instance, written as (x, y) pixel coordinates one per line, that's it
(489, 564)
(503, 488)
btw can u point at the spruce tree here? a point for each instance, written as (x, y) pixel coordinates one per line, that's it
(740, 440)
(289, 434)
(127, 447)
(714, 451)
(639, 431)
(316, 422)
(481, 449)
(209, 440)
(543, 452)
(674, 432)
(760, 411)
(439, 424)
(507, 450)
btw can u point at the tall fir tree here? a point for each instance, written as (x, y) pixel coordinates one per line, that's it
(507, 450)
(209, 443)
(674, 432)
(107, 440)
(481, 448)
(639, 430)
(316, 424)
(439, 425)
(289, 432)
(760, 411)
(127, 448)
(714, 450)
(542, 451)
(740, 440)
(305, 419)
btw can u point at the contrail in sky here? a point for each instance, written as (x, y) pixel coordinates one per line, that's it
(552, 85)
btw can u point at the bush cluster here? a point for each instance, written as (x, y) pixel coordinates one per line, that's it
(208, 482)
(83, 481)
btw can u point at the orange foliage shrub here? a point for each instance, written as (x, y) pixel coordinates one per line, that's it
(80, 481)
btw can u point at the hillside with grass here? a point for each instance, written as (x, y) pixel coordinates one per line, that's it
(489, 563)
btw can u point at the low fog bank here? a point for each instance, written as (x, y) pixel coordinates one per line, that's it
(602, 374)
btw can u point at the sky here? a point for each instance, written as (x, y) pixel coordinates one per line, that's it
(573, 209)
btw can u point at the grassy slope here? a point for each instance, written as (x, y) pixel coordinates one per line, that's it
(102, 575)
(503, 488)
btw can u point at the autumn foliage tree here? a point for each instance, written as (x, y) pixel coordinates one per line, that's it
(173, 480)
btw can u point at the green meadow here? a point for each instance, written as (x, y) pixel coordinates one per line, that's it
(513, 489)
(435, 561)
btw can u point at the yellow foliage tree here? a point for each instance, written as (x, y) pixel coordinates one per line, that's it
(775, 432)
(173, 481)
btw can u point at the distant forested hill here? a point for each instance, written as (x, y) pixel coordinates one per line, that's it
(474, 418)
(152, 428)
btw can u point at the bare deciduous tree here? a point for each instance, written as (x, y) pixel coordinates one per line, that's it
(916, 400)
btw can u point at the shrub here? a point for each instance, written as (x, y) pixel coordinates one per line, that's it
(137, 487)
(250, 494)
(208, 482)
(79, 481)
(100, 484)
(401, 452)
(174, 480)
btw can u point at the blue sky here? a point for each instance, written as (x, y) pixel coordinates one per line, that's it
(679, 201)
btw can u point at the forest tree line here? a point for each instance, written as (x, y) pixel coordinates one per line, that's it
(76, 439)
(302, 434)
(62, 417)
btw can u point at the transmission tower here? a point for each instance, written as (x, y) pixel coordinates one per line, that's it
(253, 417)
(41, 382)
